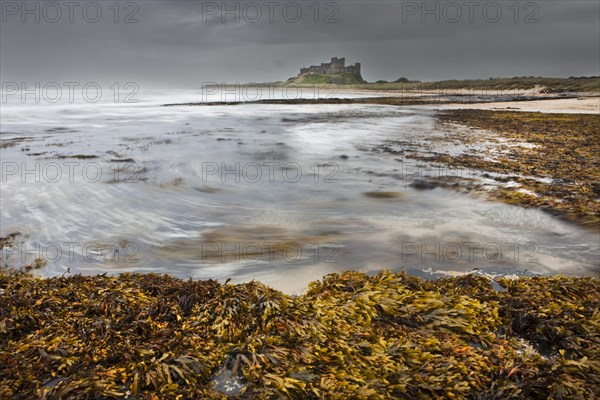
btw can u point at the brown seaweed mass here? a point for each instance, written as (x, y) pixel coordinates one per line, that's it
(350, 335)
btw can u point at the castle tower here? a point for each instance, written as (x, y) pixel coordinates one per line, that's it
(337, 65)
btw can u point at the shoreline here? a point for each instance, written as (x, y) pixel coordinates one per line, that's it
(530, 159)
(564, 103)
(349, 335)
(575, 105)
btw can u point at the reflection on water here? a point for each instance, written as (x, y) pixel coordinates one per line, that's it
(279, 193)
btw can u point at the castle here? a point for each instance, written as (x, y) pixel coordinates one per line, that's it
(336, 66)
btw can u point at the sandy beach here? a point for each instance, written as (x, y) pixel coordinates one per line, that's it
(581, 105)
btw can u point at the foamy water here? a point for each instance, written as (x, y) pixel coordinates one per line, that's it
(278, 193)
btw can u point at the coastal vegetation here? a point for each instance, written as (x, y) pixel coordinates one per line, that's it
(589, 84)
(548, 85)
(345, 78)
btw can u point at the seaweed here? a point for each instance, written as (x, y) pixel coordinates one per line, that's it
(554, 157)
(351, 335)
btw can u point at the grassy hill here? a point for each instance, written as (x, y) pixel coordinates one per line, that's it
(346, 78)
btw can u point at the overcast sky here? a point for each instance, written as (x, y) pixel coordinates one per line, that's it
(186, 43)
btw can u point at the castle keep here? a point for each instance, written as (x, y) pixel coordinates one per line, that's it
(336, 66)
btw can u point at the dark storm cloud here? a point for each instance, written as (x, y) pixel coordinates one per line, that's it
(175, 44)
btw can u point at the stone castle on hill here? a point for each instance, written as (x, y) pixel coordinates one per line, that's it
(336, 66)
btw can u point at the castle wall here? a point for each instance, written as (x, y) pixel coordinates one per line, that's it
(336, 66)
